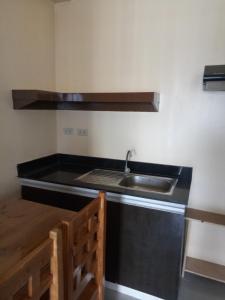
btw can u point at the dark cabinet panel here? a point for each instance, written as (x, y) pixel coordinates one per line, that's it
(61, 200)
(144, 249)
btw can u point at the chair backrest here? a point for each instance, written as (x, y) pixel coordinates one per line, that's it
(84, 258)
(38, 275)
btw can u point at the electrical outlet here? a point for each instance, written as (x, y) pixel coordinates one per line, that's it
(68, 131)
(82, 131)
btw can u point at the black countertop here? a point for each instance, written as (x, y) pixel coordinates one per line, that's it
(65, 169)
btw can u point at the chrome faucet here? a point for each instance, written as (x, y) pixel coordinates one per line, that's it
(126, 169)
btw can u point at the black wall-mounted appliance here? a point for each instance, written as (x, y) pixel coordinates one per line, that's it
(214, 78)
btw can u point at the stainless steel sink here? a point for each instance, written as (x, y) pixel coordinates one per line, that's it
(149, 183)
(145, 183)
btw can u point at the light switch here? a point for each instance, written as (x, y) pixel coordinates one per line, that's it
(68, 131)
(82, 131)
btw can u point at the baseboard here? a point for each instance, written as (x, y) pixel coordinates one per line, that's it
(130, 292)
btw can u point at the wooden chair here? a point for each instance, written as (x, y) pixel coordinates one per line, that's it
(39, 275)
(84, 258)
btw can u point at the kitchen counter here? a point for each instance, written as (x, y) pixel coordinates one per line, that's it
(143, 228)
(64, 169)
(23, 226)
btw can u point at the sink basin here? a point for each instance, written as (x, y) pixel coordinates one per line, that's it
(149, 183)
(145, 183)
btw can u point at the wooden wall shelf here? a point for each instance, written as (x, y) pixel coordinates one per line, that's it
(205, 216)
(201, 267)
(131, 101)
(205, 269)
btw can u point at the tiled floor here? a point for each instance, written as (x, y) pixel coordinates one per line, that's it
(192, 288)
(198, 288)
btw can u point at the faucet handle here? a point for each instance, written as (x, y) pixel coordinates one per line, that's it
(128, 156)
(132, 152)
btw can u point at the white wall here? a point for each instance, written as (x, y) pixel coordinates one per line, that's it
(26, 61)
(148, 45)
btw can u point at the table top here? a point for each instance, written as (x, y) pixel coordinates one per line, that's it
(23, 226)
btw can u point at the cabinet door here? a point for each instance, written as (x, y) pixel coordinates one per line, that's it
(144, 249)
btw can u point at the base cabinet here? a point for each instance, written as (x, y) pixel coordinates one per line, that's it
(144, 249)
(143, 246)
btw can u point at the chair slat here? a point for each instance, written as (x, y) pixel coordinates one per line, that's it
(84, 255)
(90, 292)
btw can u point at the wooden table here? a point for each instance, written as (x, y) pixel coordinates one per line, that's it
(23, 226)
